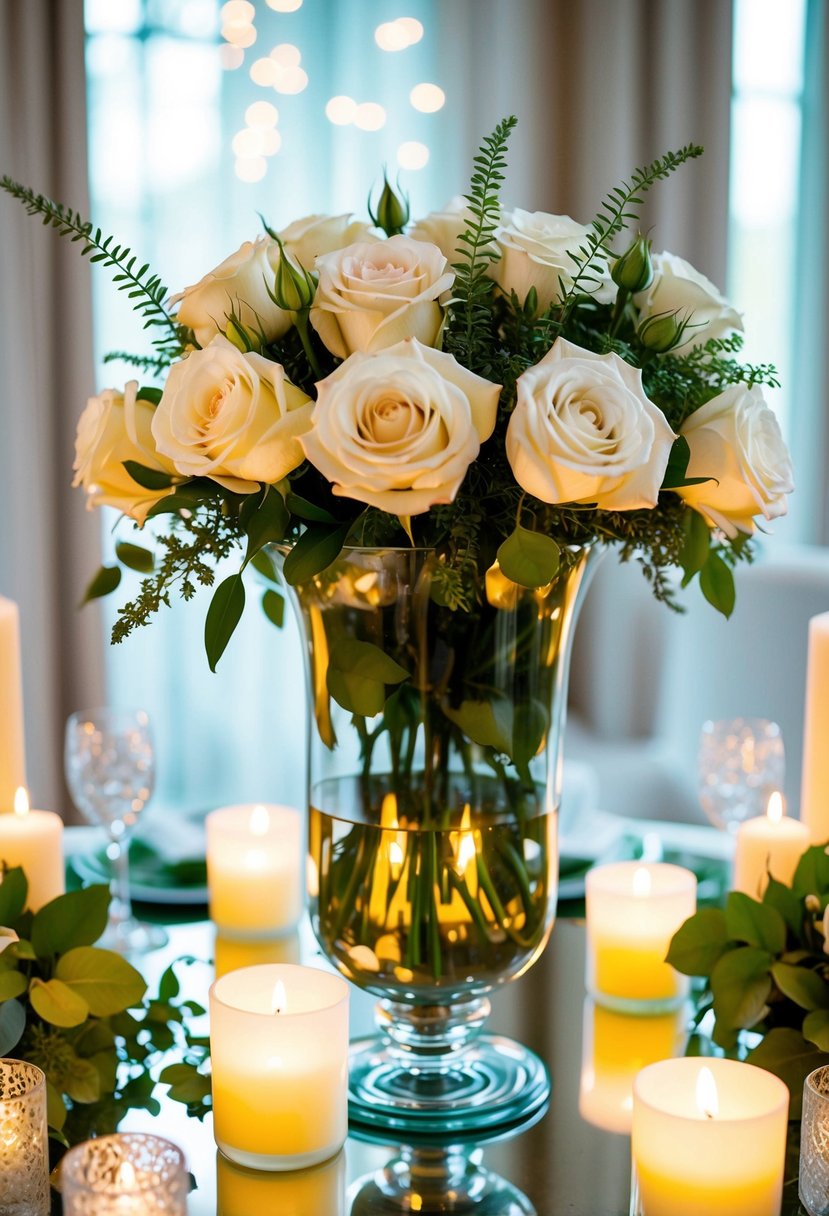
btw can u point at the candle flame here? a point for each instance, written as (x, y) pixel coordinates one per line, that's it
(388, 812)
(280, 998)
(125, 1177)
(774, 811)
(21, 801)
(396, 855)
(708, 1101)
(260, 821)
(641, 882)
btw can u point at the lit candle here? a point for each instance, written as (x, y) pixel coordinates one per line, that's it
(279, 1048)
(254, 870)
(319, 1191)
(768, 844)
(615, 1047)
(131, 1174)
(633, 911)
(24, 1151)
(814, 794)
(12, 759)
(233, 953)
(709, 1136)
(34, 840)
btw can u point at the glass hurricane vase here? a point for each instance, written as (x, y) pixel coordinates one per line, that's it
(434, 785)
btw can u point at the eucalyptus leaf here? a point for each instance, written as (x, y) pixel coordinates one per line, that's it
(148, 479)
(135, 557)
(12, 984)
(223, 615)
(696, 545)
(102, 583)
(12, 1025)
(358, 673)
(14, 890)
(740, 985)
(806, 988)
(699, 943)
(105, 980)
(786, 1053)
(82, 1081)
(787, 903)
(315, 550)
(308, 511)
(75, 919)
(530, 559)
(263, 565)
(268, 522)
(812, 874)
(717, 583)
(274, 608)
(816, 1028)
(478, 721)
(56, 1111)
(186, 1083)
(754, 923)
(58, 1004)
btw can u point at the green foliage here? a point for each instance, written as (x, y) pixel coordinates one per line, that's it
(104, 582)
(530, 559)
(223, 616)
(358, 673)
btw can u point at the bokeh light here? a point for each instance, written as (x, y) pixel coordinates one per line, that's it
(427, 98)
(239, 35)
(251, 168)
(231, 57)
(287, 55)
(237, 12)
(341, 110)
(284, 6)
(264, 72)
(412, 155)
(370, 116)
(261, 114)
(411, 27)
(290, 80)
(391, 37)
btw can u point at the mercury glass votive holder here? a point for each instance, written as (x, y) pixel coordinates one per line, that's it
(24, 1154)
(125, 1175)
(813, 1180)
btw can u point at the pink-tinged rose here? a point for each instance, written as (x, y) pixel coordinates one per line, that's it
(374, 294)
(583, 431)
(735, 441)
(399, 429)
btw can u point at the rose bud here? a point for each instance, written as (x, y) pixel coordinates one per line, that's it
(294, 287)
(662, 332)
(633, 271)
(392, 213)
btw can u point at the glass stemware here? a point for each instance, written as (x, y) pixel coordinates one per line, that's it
(110, 771)
(741, 764)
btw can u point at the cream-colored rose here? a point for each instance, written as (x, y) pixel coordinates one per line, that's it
(231, 416)
(735, 440)
(444, 228)
(678, 288)
(307, 239)
(113, 428)
(399, 429)
(536, 252)
(583, 431)
(374, 294)
(7, 938)
(237, 286)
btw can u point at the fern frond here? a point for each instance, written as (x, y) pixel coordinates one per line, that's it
(146, 290)
(153, 364)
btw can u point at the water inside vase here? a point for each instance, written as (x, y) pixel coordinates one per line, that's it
(435, 913)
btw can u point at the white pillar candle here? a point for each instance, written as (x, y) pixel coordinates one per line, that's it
(615, 1047)
(768, 844)
(24, 1141)
(814, 794)
(34, 840)
(633, 911)
(319, 1191)
(254, 869)
(709, 1136)
(279, 1050)
(12, 758)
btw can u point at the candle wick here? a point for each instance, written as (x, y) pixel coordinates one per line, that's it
(708, 1115)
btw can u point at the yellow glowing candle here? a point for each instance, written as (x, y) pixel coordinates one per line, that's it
(233, 953)
(254, 869)
(633, 911)
(314, 1192)
(12, 758)
(768, 844)
(34, 840)
(709, 1136)
(615, 1047)
(279, 1047)
(814, 797)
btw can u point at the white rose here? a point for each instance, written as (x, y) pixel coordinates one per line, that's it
(584, 431)
(113, 428)
(237, 286)
(678, 288)
(306, 239)
(374, 294)
(536, 252)
(735, 439)
(399, 429)
(7, 938)
(231, 416)
(444, 228)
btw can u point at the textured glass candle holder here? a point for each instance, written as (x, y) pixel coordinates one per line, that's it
(24, 1156)
(813, 1184)
(128, 1175)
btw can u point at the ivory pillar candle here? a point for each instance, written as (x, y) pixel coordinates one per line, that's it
(12, 757)
(319, 1191)
(633, 911)
(709, 1136)
(768, 844)
(254, 869)
(279, 1048)
(814, 794)
(24, 1151)
(34, 840)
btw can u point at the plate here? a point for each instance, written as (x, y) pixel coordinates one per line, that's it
(154, 878)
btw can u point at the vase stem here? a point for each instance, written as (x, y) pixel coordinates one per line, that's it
(432, 1033)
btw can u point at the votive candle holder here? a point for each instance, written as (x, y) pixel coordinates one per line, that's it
(24, 1153)
(813, 1180)
(132, 1174)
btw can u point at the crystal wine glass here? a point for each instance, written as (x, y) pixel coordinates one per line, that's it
(110, 771)
(741, 764)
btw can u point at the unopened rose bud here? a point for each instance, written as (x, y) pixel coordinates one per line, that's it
(812, 903)
(294, 287)
(236, 333)
(633, 271)
(662, 332)
(392, 214)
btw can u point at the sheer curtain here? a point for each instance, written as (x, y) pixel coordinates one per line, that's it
(48, 545)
